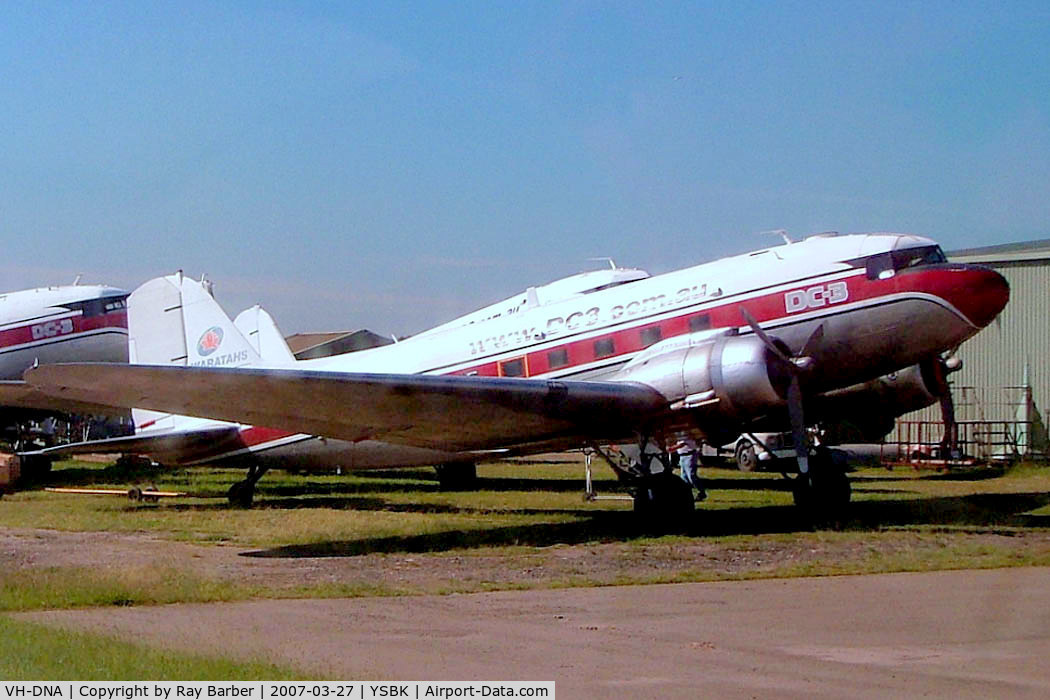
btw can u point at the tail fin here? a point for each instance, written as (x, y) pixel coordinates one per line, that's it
(261, 331)
(174, 320)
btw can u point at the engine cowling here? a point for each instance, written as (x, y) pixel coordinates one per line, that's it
(738, 383)
(717, 367)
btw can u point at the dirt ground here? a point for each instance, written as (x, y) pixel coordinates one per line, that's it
(294, 567)
(957, 634)
(952, 633)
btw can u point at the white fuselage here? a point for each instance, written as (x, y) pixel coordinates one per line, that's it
(873, 323)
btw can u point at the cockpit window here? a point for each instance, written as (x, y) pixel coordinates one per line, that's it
(913, 257)
(97, 307)
(886, 265)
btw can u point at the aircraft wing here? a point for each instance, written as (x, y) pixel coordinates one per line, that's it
(22, 395)
(451, 413)
(169, 447)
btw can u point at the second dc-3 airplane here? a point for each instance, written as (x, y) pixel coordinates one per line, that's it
(833, 327)
(62, 323)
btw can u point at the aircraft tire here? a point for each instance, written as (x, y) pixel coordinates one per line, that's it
(824, 495)
(457, 476)
(746, 457)
(664, 501)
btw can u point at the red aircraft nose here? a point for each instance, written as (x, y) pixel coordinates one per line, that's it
(979, 293)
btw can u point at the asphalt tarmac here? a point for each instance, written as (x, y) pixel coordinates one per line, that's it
(956, 634)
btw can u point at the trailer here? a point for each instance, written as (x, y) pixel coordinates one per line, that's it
(150, 494)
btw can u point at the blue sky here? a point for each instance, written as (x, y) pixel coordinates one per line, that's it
(390, 165)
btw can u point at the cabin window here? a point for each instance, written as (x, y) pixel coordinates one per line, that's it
(558, 358)
(512, 368)
(700, 323)
(651, 336)
(604, 347)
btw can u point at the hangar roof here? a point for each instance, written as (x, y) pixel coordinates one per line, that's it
(313, 345)
(1028, 251)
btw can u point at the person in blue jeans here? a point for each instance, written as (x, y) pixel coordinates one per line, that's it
(687, 462)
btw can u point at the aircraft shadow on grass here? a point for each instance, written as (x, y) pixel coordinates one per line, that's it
(981, 511)
(975, 474)
(116, 473)
(588, 525)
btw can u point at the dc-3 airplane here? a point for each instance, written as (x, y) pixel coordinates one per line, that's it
(832, 327)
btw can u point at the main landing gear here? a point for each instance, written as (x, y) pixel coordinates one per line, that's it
(242, 493)
(661, 498)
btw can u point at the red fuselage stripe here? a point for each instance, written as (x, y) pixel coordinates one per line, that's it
(60, 326)
(815, 295)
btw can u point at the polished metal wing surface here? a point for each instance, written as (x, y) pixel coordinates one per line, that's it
(440, 412)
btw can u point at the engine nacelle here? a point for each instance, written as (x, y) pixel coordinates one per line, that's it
(713, 367)
(895, 394)
(871, 408)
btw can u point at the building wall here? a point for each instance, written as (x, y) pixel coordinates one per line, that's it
(989, 387)
(996, 357)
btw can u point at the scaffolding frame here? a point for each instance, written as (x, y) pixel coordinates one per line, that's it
(994, 426)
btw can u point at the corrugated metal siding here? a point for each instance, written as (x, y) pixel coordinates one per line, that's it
(995, 358)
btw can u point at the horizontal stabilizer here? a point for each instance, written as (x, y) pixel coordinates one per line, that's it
(168, 447)
(451, 413)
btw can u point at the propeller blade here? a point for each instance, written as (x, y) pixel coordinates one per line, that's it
(766, 340)
(798, 424)
(811, 343)
(794, 390)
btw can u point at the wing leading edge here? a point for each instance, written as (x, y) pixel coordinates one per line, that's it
(451, 413)
(16, 394)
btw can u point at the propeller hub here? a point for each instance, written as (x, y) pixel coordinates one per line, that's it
(803, 363)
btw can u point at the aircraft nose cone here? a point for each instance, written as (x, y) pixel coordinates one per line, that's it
(982, 295)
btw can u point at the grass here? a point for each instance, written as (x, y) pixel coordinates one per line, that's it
(518, 510)
(325, 507)
(523, 504)
(78, 587)
(36, 652)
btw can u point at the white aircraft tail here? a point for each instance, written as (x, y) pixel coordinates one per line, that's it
(261, 331)
(174, 320)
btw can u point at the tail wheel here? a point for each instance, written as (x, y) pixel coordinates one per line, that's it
(35, 468)
(241, 494)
